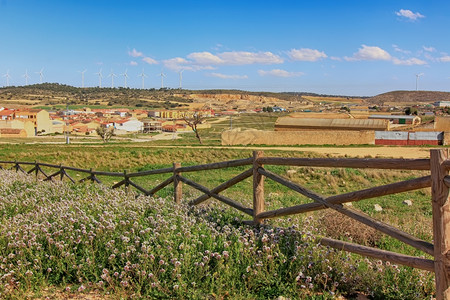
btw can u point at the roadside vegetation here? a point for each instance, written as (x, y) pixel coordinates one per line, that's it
(57, 238)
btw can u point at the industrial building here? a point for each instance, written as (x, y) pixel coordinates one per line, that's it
(295, 124)
(397, 119)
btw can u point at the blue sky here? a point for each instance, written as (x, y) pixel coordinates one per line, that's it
(330, 47)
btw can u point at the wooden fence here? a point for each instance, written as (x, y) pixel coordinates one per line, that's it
(438, 180)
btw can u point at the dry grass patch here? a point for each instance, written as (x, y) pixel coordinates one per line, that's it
(339, 226)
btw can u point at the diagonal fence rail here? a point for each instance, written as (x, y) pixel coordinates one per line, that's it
(438, 180)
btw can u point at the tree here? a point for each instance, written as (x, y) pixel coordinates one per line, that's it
(411, 111)
(193, 121)
(106, 133)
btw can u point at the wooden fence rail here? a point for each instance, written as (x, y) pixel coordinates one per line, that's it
(438, 180)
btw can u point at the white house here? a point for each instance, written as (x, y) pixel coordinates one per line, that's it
(128, 125)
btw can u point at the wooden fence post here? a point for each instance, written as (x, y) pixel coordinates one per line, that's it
(177, 184)
(36, 171)
(258, 188)
(127, 183)
(441, 223)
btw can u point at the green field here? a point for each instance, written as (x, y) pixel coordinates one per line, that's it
(381, 281)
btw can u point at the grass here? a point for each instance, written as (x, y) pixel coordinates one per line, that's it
(133, 157)
(84, 239)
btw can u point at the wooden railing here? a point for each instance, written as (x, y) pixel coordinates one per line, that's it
(438, 180)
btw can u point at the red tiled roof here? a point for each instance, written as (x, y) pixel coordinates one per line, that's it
(6, 112)
(121, 121)
(10, 131)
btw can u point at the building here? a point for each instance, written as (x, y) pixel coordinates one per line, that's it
(408, 138)
(6, 114)
(295, 124)
(150, 125)
(40, 118)
(17, 128)
(397, 119)
(442, 104)
(128, 125)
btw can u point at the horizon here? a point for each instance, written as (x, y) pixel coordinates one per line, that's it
(352, 48)
(300, 93)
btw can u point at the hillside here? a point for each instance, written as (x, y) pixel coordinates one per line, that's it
(403, 97)
(53, 94)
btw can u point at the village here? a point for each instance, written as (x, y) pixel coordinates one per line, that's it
(349, 125)
(27, 122)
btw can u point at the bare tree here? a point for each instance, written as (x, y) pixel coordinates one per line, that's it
(193, 121)
(106, 133)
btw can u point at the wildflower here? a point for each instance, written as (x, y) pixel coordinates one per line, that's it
(124, 283)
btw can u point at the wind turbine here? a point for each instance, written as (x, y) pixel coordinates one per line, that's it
(125, 76)
(41, 74)
(143, 76)
(82, 77)
(181, 77)
(162, 78)
(417, 78)
(7, 77)
(26, 76)
(112, 75)
(100, 76)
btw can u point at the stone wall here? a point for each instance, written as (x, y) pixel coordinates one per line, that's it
(307, 137)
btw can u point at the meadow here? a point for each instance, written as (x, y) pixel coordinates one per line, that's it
(57, 237)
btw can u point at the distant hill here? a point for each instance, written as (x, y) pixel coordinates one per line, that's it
(402, 97)
(52, 94)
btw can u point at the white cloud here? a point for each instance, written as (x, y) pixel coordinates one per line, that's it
(279, 73)
(429, 49)
(369, 53)
(398, 49)
(306, 54)
(406, 13)
(207, 61)
(445, 58)
(150, 60)
(135, 53)
(179, 63)
(205, 58)
(133, 63)
(225, 76)
(408, 62)
(248, 58)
